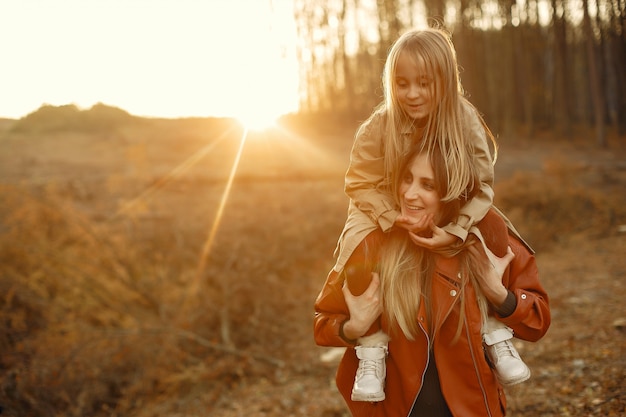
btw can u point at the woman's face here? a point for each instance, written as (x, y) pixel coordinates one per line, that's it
(418, 195)
(414, 87)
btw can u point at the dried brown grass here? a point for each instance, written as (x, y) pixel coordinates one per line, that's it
(96, 318)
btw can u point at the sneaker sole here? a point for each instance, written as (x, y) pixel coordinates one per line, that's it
(378, 396)
(520, 379)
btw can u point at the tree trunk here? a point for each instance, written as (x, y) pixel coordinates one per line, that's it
(524, 89)
(617, 53)
(507, 45)
(597, 99)
(344, 66)
(560, 100)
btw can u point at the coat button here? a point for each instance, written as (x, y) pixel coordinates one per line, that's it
(523, 296)
(453, 293)
(458, 275)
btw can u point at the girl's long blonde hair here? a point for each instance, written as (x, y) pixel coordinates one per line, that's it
(406, 270)
(444, 127)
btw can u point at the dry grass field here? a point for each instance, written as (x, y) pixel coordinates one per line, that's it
(166, 267)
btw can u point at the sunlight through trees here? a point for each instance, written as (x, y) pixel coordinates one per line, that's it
(530, 64)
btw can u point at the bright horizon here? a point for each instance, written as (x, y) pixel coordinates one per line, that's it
(153, 58)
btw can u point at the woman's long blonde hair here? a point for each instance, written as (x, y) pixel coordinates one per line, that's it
(444, 127)
(406, 269)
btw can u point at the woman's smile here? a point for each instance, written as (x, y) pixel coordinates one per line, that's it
(419, 196)
(412, 207)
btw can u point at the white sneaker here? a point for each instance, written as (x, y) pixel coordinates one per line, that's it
(509, 368)
(369, 384)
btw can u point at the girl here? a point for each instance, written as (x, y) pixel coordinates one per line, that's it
(423, 107)
(433, 306)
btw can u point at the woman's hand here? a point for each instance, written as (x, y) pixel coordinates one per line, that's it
(491, 282)
(364, 309)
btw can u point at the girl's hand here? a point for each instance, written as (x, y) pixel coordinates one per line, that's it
(411, 225)
(439, 239)
(364, 309)
(491, 282)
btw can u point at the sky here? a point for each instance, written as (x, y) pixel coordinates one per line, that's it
(158, 58)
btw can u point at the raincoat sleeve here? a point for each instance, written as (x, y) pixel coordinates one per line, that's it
(331, 312)
(531, 318)
(364, 180)
(475, 209)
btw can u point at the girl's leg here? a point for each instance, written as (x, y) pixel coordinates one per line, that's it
(358, 277)
(509, 367)
(505, 360)
(371, 349)
(369, 383)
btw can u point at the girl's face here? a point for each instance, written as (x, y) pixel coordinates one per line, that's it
(418, 195)
(414, 87)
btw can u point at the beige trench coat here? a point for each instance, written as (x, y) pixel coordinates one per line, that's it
(372, 206)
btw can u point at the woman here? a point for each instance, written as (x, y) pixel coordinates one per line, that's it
(432, 306)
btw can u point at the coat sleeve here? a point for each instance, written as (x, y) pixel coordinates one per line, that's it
(330, 312)
(365, 175)
(531, 318)
(476, 208)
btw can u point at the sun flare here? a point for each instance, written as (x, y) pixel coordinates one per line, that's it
(204, 65)
(258, 121)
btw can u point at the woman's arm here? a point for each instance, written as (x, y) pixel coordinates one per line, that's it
(531, 318)
(331, 312)
(340, 316)
(364, 309)
(516, 275)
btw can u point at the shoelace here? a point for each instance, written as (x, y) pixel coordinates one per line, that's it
(504, 348)
(367, 367)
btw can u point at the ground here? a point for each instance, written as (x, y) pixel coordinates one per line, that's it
(578, 368)
(278, 226)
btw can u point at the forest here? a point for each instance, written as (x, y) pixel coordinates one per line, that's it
(528, 65)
